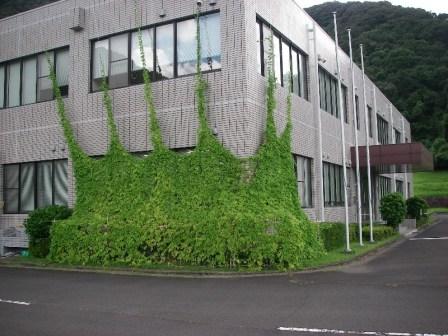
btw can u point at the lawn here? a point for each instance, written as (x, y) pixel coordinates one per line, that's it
(431, 184)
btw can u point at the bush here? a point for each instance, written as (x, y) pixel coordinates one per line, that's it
(38, 226)
(332, 235)
(393, 209)
(380, 232)
(416, 207)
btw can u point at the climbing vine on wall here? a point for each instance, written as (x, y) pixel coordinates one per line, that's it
(205, 208)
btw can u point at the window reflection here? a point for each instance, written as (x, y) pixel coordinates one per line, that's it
(210, 42)
(186, 47)
(136, 60)
(165, 52)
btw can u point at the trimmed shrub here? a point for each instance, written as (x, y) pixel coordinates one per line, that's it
(332, 234)
(393, 209)
(416, 207)
(380, 232)
(38, 225)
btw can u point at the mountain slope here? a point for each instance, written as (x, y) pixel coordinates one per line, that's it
(406, 56)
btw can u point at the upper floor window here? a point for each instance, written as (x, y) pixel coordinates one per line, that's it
(290, 65)
(383, 133)
(27, 80)
(397, 136)
(169, 50)
(35, 185)
(304, 178)
(369, 113)
(329, 95)
(358, 122)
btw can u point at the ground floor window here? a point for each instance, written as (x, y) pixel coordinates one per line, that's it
(32, 185)
(304, 180)
(399, 185)
(384, 186)
(333, 180)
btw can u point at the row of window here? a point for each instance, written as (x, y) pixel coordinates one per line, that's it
(27, 80)
(290, 64)
(28, 186)
(169, 49)
(329, 96)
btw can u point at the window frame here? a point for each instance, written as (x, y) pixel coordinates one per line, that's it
(303, 81)
(307, 183)
(21, 60)
(153, 76)
(35, 165)
(334, 188)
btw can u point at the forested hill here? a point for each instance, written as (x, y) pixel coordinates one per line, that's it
(406, 56)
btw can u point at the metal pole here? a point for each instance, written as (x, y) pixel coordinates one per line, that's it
(366, 117)
(341, 115)
(358, 175)
(406, 191)
(319, 122)
(392, 141)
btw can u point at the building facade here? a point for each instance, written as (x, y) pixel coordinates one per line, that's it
(85, 38)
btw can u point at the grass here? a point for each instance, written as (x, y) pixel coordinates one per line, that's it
(336, 256)
(431, 184)
(437, 210)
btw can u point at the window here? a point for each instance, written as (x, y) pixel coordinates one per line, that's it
(118, 76)
(33, 185)
(29, 80)
(289, 63)
(100, 63)
(169, 50)
(383, 134)
(329, 96)
(333, 179)
(26, 81)
(62, 67)
(397, 136)
(369, 112)
(44, 86)
(13, 84)
(136, 60)
(399, 185)
(277, 60)
(165, 52)
(2, 86)
(259, 33)
(304, 185)
(384, 186)
(358, 122)
(186, 47)
(210, 27)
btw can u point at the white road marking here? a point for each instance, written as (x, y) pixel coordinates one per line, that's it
(351, 332)
(16, 302)
(430, 238)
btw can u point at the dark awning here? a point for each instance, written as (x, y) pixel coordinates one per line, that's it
(414, 154)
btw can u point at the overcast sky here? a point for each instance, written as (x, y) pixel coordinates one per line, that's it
(437, 6)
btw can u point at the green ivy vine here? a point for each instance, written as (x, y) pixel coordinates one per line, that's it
(205, 208)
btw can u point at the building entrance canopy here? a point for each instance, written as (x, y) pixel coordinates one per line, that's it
(401, 156)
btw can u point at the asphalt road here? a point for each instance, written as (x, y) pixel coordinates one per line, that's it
(404, 290)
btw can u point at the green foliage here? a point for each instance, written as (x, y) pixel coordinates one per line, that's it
(416, 207)
(205, 208)
(380, 232)
(332, 234)
(393, 209)
(38, 226)
(405, 56)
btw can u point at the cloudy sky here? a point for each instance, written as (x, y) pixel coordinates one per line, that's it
(437, 6)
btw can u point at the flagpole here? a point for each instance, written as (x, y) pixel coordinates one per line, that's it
(319, 122)
(358, 176)
(406, 191)
(366, 116)
(392, 141)
(341, 115)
